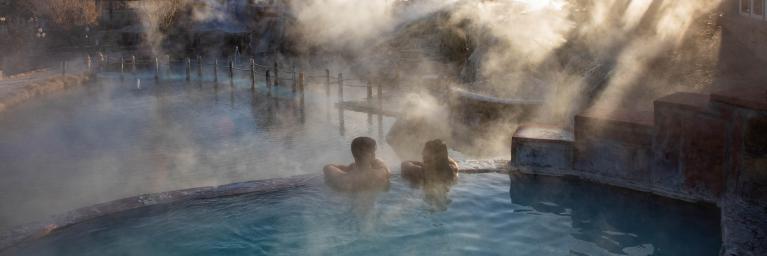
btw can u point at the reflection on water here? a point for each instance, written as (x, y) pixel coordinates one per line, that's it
(543, 217)
(616, 219)
(115, 139)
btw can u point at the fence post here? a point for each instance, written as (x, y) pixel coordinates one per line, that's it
(122, 67)
(301, 87)
(268, 82)
(199, 67)
(301, 83)
(231, 73)
(340, 87)
(327, 83)
(156, 68)
(380, 97)
(133, 63)
(276, 74)
(188, 69)
(370, 91)
(215, 70)
(63, 67)
(293, 77)
(252, 73)
(90, 65)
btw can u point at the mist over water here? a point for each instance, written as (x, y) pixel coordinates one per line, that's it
(113, 139)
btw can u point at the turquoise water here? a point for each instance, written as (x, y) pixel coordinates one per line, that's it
(488, 214)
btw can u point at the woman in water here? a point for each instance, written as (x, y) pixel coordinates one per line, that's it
(436, 174)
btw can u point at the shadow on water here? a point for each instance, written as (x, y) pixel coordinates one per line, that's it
(599, 211)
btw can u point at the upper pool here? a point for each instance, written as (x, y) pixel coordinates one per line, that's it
(486, 214)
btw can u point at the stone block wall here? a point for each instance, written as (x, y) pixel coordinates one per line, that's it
(688, 147)
(614, 145)
(744, 202)
(693, 147)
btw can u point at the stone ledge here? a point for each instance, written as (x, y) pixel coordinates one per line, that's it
(542, 146)
(686, 100)
(754, 98)
(536, 132)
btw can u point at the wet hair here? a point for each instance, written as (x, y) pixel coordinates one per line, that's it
(436, 147)
(440, 162)
(362, 145)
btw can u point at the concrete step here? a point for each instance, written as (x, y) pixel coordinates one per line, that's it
(536, 146)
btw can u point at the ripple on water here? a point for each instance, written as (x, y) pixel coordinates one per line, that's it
(490, 214)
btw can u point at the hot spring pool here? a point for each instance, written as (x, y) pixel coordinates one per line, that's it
(489, 214)
(115, 138)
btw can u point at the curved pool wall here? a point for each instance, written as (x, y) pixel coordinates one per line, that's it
(693, 147)
(42, 228)
(603, 225)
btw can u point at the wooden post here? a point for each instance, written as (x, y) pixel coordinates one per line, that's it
(380, 97)
(156, 68)
(215, 70)
(301, 83)
(122, 67)
(231, 73)
(380, 111)
(133, 64)
(199, 67)
(327, 83)
(252, 73)
(89, 62)
(370, 91)
(293, 77)
(63, 67)
(188, 69)
(276, 74)
(268, 82)
(340, 87)
(341, 125)
(167, 62)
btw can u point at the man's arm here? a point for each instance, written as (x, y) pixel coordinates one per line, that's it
(337, 176)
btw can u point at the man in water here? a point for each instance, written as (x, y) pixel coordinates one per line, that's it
(367, 172)
(436, 174)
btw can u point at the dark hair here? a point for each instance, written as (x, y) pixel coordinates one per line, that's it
(436, 147)
(362, 145)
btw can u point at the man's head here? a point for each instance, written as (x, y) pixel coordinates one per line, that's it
(363, 149)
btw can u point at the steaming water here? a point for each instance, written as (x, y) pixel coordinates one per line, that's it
(114, 139)
(489, 215)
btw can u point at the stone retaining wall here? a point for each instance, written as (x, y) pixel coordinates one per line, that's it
(694, 147)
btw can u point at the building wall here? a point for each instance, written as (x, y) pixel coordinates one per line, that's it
(745, 21)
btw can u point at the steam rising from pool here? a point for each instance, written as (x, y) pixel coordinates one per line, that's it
(111, 139)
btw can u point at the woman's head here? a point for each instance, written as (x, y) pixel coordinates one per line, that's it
(434, 151)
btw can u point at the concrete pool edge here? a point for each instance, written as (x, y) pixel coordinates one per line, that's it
(39, 229)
